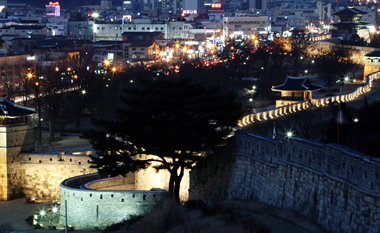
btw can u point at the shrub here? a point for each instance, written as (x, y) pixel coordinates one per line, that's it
(6, 227)
(164, 215)
(126, 223)
(250, 225)
(29, 220)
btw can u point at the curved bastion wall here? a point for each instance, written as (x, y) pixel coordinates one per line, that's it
(88, 208)
(331, 184)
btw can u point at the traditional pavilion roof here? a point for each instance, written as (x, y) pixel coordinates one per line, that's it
(351, 10)
(374, 53)
(11, 110)
(350, 24)
(296, 84)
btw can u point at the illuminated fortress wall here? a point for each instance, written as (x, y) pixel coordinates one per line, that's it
(336, 187)
(90, 208)
(13, 140)
(39, 175)
(149, 178)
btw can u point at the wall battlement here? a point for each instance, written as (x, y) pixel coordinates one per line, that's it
(328, 183)
(89, 207)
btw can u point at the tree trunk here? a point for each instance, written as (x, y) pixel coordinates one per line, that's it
(51, 129)
(39, 124)
(77, 121)
(171, 184)
(177, 185)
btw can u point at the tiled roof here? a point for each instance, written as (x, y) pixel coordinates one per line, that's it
(10, 109)
(296, 84)
(350, 11)
(361, 23)
(375, 53)
(25, 27)
(139, 43)
(141, 33)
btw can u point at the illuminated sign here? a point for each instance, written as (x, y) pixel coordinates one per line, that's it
(110, 56)
(53, 9)
(192, 42)
(216, 5)
(189, 12)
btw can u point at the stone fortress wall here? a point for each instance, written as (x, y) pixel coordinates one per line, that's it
(150, 178)
(14, 139)
(88, 208)
(39, 175)
(336, 187)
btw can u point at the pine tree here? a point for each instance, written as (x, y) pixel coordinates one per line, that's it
(178, 121)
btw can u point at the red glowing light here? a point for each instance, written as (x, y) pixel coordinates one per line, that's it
(216, 5)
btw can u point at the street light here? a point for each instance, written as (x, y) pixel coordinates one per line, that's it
(289, 135)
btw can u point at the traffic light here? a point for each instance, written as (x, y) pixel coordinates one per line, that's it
(48, 211)
(241, 44)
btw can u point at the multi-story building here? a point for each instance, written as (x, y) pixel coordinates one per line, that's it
(246, 26)
(137, 50)
(25, 31)
(81, 30)
(114, 31)
(176, 29)
(58, 26)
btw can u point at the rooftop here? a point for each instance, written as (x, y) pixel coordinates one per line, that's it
(296, 84)
(10, 109)
(351, 10)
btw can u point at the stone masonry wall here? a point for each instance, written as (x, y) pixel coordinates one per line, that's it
(39, 175)
(99, 208)
(328, 183)
(149, 178)
(14, 139)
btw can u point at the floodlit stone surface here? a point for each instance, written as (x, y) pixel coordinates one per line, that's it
(336, 187)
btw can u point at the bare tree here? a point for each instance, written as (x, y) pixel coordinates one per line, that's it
(335, 62)
(299, 49)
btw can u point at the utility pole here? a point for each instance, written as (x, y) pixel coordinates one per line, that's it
(114, 58)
